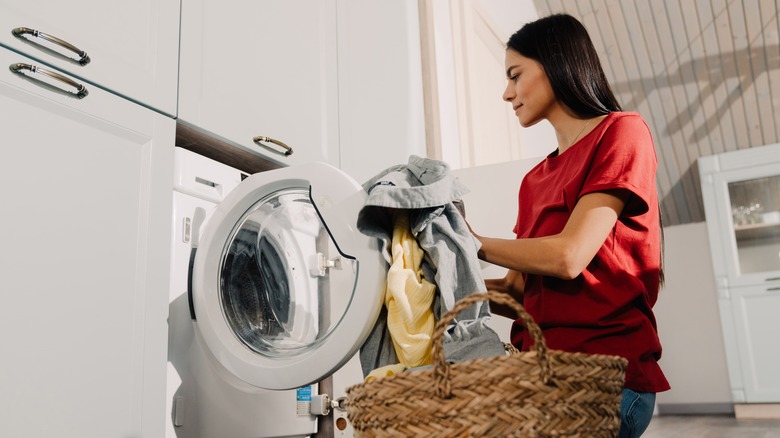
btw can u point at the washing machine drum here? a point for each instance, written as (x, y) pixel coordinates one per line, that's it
(259, 293)
(285, 290)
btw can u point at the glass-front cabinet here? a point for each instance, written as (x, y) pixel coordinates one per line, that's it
(741, 193)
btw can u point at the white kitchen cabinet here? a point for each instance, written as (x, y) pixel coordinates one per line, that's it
(84, 260)
(741, 193)
(262, 68)
(755, 310)
(336, 81)
(132, 46)
(381, 115)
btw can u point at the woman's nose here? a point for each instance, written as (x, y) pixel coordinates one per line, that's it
(509, 92)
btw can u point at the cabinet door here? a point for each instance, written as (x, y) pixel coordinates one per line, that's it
(741, 195)
(755, 311)
(381, 114)
(132, 45)
(83, 262)
(262, 68)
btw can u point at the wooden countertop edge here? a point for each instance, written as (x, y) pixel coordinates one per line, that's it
(190, 138)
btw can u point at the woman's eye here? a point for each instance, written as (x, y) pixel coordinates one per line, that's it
(514, 78)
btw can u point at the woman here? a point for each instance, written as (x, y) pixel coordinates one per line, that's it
(586, 262)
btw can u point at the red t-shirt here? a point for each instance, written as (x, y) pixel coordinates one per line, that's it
(607, 309)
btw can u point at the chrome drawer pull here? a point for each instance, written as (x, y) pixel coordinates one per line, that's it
(20, 32)
(287, 150)
(18, 68)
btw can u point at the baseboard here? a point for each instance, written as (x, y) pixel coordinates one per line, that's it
(696, 409)
(757, 411)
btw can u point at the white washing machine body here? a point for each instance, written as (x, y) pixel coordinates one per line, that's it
(272, 289)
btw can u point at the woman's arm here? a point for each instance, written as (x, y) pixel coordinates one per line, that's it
(564, 255)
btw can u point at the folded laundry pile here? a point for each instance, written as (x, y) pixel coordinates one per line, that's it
(433, 263)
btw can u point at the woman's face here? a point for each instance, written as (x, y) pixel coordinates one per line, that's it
(528, 89)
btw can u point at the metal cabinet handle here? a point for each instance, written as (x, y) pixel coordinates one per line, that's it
(19, 68)
(20, 32)
(287, 150)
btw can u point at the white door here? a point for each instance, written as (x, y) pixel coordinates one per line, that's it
(132, 47)
(755, 321)
(285, 288)
(252, 69)
(83, 261)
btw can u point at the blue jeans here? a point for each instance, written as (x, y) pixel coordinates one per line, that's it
(636, 411)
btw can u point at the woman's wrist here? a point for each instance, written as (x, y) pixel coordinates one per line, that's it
(481, 251)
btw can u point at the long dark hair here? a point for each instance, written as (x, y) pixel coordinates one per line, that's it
(561, 44)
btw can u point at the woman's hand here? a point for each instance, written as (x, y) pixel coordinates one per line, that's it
(512, 285)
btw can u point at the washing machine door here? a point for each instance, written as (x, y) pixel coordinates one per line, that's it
(285, 289)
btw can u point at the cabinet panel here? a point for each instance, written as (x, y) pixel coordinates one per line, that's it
(84, 261)
(262, 68)
(381, 113)
(132, 46)
(755, 314)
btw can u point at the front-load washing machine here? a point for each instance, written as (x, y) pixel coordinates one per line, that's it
(273, 289)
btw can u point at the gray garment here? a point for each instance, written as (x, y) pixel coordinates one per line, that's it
(426, 188)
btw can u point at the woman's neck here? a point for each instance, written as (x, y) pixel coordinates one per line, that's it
(570, 130)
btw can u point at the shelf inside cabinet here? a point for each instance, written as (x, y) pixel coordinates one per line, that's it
(757, 231)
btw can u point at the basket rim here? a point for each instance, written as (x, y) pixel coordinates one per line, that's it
(557, 356)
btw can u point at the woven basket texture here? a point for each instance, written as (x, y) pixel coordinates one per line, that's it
(539, 393)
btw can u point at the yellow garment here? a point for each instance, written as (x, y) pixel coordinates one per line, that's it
(408, 298)
(385, 371)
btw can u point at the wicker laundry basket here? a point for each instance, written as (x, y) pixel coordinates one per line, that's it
(539, 393)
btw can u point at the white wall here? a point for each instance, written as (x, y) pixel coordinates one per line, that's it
(480, 95)
(509, 16)
(694, 359)
(491, 210)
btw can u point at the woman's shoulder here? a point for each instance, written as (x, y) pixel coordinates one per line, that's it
(621, 127)
(625, 120)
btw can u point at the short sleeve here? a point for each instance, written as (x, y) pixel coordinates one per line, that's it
(625, 159)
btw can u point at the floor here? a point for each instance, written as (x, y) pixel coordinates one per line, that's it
(710, 426)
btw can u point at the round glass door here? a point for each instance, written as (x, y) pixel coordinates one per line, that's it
(274, 293)
(285, 290)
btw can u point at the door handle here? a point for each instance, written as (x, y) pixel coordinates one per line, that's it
(83, 58)
(19, 68)
(286, 150)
